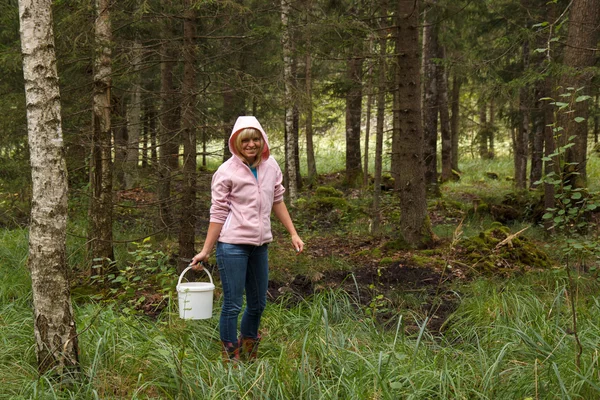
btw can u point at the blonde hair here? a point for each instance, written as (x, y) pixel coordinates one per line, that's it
(249, 133)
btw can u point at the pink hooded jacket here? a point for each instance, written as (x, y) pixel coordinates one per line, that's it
(241, 202)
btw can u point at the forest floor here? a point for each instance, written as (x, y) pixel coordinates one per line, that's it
(341, 253)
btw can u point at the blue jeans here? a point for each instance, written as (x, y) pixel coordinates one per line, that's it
(242, 267)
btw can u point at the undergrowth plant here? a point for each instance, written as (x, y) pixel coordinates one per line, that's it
(146, 272)
(570, 216)
(573, 206)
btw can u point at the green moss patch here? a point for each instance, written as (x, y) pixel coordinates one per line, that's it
(498, 251)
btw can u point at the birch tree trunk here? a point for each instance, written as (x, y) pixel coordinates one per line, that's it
(54, 324)
(415, 227)
(188, 199)
(288, 79)
(100, 235)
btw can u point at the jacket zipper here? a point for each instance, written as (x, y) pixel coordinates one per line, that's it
(260, 225)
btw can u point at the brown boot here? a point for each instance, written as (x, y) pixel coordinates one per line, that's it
(231, 352)
(249, 348)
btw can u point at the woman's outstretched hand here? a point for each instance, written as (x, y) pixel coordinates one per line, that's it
(297, 243)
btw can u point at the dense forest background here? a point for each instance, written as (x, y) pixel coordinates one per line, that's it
(440, 160)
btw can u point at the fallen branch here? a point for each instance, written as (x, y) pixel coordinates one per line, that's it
(509, 238)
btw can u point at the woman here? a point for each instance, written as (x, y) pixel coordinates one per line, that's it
(245, 189)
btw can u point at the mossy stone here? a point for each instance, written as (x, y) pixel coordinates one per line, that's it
(328, 191)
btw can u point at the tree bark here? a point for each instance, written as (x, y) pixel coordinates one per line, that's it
(100, 235)
(168, 137)
(54, 323)
(454, 119)
(596, 117)
(522, 137)
(119, 128)
(353, 119)
(537, 137)
(370, 88)
(430, 102)
(414, 221)
(134, 120)
(579, 57)
(310, 151)
(442, 83)
(382, 85)
(288, 81)
(296, 122)
(482, 135)
(188, 199)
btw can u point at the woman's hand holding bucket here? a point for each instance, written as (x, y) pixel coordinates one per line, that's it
(198, 261)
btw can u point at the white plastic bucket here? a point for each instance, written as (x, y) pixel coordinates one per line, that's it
(195, 298)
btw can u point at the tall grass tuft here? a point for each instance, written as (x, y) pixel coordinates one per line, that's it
(507, 340)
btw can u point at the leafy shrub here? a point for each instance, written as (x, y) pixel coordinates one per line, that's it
(145, 283)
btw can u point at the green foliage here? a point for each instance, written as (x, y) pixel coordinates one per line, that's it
(147, 280)
(574, 205)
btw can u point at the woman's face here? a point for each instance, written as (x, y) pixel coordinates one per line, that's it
(250, 147)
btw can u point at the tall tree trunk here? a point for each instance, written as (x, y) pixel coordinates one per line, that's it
(414, 221)
(188, 198)
(454, 119)
(152, 127)
(442, 80)
(168, 143)
(288, 81)
(228, 119)
(119, 128)
(579, 56)
(522, 137)
(310, 151)
(382, 85)
(146, 133)
(491, 133)
(430, 101)
(296, 122)
(482, 135)
(368, 117)
(596, 117)
(134, 120)
(353, 119)
(54, 323)
(551, 162)
(537, 137)
(100, 235)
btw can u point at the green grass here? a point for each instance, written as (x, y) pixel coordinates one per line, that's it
(507, 340)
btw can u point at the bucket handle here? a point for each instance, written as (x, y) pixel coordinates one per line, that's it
(190, 267)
